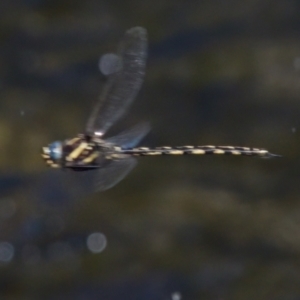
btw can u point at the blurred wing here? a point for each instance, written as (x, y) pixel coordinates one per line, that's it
(113, 172)
(123, 85)
(60, 190)
(130, 138)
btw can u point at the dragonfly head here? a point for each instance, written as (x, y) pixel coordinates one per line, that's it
(53, 154)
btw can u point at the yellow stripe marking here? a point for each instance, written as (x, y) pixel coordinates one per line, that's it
(52, 164)
(235, 152)
(197, 151)
(153, 153)
(91, 157)
(175, 152)
(263, 152)
(46, 150)
(55, 166)
(75, 153)
(219, 151)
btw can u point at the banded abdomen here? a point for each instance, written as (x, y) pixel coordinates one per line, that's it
(199, 150)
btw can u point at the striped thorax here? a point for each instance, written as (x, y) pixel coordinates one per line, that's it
(79, 153)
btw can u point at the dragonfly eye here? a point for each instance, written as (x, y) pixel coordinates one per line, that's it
(55, 151)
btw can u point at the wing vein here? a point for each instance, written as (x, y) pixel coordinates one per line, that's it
(123, 85)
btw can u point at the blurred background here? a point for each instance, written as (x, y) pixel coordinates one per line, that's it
(218, 72)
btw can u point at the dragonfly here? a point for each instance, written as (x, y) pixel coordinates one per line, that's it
(112, 158)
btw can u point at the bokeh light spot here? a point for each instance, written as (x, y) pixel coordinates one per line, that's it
(7, 251)
(96, 242)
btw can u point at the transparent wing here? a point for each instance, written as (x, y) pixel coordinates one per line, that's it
(113, 172)
(123, 85)
(132, 137)
(68, 186)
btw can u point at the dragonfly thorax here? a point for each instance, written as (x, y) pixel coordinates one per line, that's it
(79, 153)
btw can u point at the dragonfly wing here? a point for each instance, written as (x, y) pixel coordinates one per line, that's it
(123, 84)
(67, 186)
(112, 172)
(132, 137)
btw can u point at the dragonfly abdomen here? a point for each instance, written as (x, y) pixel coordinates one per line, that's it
(198, 150)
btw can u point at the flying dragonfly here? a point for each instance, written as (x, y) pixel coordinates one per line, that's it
(114, 157)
